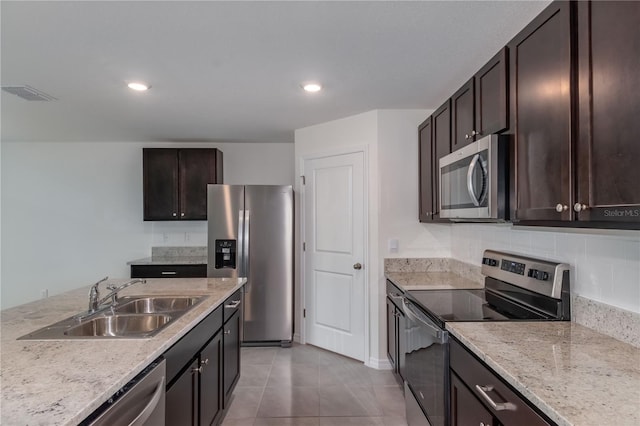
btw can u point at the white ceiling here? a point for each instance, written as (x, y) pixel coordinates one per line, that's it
(231, 71)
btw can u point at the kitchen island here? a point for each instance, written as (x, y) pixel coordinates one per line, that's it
(61, 382)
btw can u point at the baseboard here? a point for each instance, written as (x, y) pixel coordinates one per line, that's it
(379, 363)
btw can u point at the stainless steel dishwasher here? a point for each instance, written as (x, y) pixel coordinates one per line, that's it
(141, 402)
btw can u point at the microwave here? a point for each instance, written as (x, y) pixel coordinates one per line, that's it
(473, 181)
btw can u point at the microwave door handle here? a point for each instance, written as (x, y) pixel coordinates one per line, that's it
(472, 193)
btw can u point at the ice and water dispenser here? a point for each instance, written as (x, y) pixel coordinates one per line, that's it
(226, 254)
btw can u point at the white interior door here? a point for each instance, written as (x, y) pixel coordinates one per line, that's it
(334, 235)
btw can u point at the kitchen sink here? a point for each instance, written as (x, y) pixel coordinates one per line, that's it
(134, 317)
(158, 304)
(120, 325)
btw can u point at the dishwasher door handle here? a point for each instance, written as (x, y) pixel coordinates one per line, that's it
(151, 405)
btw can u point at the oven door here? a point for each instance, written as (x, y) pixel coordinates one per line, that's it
(426, 368)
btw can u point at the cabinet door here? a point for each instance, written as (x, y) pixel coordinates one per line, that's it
(160, 169)
(426, 171)
(182, 398)
(465, 407)
(540, 88)
(441, 122)
(609, 111)
(197, 169)
(392, 336)
(231, 356)
(492, 100)
(462, 116)
(211, 381)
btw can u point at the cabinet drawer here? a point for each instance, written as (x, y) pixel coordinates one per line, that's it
(185, 349)
(232, 305)
(473, 372)
(169, 271)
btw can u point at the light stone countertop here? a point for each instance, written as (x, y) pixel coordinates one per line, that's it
(61, 382)
(432, 281)
(575, 375)
(170, 260)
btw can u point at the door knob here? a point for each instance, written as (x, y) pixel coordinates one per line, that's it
(357, 266)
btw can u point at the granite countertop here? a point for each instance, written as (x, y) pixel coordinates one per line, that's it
(61, 382)
(575, 375)
(432, 281)
(170, 260)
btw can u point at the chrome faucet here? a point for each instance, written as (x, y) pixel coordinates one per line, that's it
(114, 290)
(94, 293)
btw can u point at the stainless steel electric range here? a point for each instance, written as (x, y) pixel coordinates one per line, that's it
(517, 288)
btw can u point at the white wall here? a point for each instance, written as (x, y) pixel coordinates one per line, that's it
(72, 212)
(606, 264)
(391, 140)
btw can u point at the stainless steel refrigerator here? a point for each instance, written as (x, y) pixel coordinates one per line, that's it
(250, 234)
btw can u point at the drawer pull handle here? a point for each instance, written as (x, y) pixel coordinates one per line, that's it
(503, 406)
(169, 272)
(233, 304)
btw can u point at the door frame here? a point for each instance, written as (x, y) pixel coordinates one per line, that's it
(367, 264)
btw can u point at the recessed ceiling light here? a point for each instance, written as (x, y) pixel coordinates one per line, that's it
(140, 87)
(312, 87)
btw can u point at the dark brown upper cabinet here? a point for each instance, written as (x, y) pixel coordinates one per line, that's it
(441, 122)
(541, 81)
(462, 115)
(608, 143)
(426, 169)
(175, 182)
(480, 107)
(434, 142)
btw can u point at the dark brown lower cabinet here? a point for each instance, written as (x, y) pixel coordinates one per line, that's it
(480, 396)
(465, 407)
(202, 371)
(231, 356)
(169, 271)
(210, 381)
(181, 406)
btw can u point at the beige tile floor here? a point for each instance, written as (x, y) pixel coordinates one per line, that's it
(308, 386)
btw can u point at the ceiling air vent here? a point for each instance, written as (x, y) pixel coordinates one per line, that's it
(28, 93)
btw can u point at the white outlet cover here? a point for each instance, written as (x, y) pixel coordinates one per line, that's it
(393, 245)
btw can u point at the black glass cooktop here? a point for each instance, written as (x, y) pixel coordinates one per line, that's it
(470, 305)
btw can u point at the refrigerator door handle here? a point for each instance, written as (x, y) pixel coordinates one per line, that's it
(245, 248)
(240, 243)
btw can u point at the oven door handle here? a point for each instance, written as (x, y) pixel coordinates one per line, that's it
(425, 322)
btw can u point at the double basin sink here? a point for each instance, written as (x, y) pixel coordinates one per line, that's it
(132, 317)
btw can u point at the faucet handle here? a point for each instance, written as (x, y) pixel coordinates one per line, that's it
(111, 287)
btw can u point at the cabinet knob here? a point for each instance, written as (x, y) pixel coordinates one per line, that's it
(474, 133)
(196, 370)
(579, 207)
(182, 214)
(561, 208)
(204, 361)
(467, 136)
(174, 215)
(227, 332)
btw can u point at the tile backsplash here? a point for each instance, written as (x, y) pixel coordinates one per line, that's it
(605, 265)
